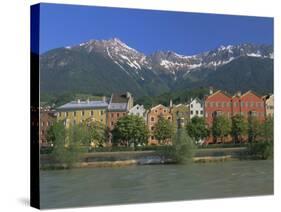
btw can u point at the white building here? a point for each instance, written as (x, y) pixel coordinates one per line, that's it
(196, 108)
(138, 110)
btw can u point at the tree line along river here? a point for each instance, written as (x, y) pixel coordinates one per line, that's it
(155, 183)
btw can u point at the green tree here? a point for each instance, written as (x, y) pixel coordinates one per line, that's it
(184, 146)
(238, 128)
(197, 129)
(164, 130)
(67, 142)
(56, 133)
(267, 130)
(254, 129)
(221, 127)
(130, 130)
(98, 133)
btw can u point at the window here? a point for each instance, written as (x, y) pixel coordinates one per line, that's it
(101, 112)
(83, 113)
(165, 111)
(92, 113)
(74, 113)
(197, 112)
(236, 104)
(253, 104)
(117, 114)
(155, 111)
(191, 105)
(219, 104)
(152, 137)
(224, 104)
(112, 123)
(112, 115)
(152, 128)
(66, 114)
(152, 118)
(242, 104)
(169, 117)
(201, 112)
(191, 112)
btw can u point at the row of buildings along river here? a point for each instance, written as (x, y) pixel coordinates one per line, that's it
(108, 111)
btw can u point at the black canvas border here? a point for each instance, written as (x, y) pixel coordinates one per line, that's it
(34, 106)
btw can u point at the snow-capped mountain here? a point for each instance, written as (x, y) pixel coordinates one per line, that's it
(115, 65)
(170, 62)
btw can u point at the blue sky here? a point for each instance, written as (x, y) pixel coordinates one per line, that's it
(148, 30)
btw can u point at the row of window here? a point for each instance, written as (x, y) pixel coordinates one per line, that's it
(161, 109)
(196, 112)
(76, 122)
(152, 119)
(74, 113)
(117, 114)
(235, 104)
(228, 114)
(191, 105)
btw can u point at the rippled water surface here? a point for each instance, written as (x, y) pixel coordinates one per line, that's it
(154, 183)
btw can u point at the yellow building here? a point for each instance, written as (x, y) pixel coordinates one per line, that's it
(269, 105)
(76, 112)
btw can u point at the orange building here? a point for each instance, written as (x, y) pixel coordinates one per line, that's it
(153, 116)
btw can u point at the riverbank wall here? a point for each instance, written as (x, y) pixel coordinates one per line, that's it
(118, 159)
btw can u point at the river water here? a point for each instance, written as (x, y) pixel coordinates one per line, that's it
(154, 183)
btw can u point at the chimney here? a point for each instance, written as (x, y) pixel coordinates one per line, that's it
(104, 99)
(171, 103)
(238, 93)
(211, 90)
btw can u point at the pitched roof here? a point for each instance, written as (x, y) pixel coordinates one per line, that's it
(120, 97)
(122, 107)
(250, 91)
(196, 98)
(82, 105)
(160, 105)
(219, 91)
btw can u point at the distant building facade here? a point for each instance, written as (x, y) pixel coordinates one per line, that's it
(269, 105)
(47, 119)
(220, 103)
(119, 106)
(252, 105)
(76, 112)
(196, 108)
(180, 115)
(153, 116)
(217, 104)
(138, 110)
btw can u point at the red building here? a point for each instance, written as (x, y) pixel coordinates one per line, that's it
(220, 103)
(252, 104)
